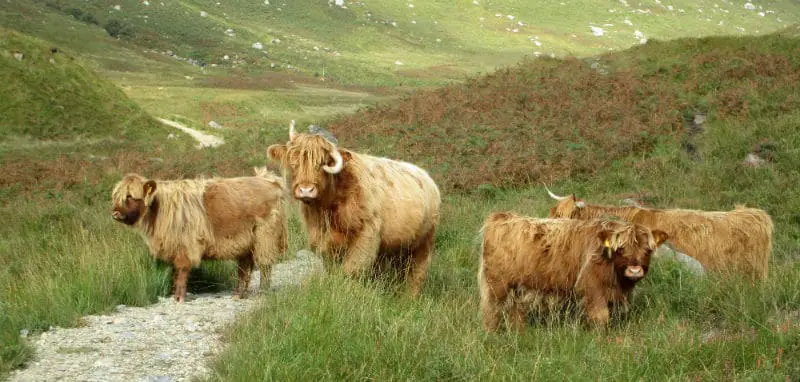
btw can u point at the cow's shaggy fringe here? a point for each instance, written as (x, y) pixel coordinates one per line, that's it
(738, 240)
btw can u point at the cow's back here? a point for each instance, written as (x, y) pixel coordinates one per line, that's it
(405, 198)
(543, 254)
(235, 204)
(738, 240)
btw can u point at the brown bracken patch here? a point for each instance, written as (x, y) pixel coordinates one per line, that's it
(548, 119)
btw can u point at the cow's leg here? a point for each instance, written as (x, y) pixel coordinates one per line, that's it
(596, 306)
(517, 316)
(420, 260)
(180, 271)
(362, 252)
(493, 296)
(271, 243)
(244, 268)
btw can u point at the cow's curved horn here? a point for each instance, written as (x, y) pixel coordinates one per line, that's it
(554, 196)
(292, 134)
(338, 163)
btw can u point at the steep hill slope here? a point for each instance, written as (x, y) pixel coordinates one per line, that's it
(548, 119)
(379, 42)
(49, 95)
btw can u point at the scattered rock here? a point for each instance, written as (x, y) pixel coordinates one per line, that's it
(398, 62)
(597, 31)
(749, 6)
(637, 34)
(257, 45)
(276, 41)
(667, 252)
(19, 56)
(753, 160)
(214, 125)
(117, 7)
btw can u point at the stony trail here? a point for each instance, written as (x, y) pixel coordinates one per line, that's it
(162, 342)
(203, 139)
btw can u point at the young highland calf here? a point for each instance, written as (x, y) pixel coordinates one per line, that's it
(738, 240)
(186, 221)
(369, 211)
(598, 261)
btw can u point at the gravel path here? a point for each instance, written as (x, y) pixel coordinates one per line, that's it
(162, 342)
(203, 139)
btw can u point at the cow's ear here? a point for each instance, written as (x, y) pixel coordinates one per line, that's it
(660, 237)
(605, 238)
(149, 188)
(149, 191)
(346, 155)
(276, 152)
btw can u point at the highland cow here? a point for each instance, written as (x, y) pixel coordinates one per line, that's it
(186, 221)
(524, 260)
(360, 209)
(722, 241)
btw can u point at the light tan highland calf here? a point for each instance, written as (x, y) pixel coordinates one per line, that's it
(364, 210)
(527, 260)
(186, 221)
(727, 241)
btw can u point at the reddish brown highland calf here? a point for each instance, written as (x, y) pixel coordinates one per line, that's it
(186, 221)
(525, 259)
(722, 241)
(364, 210)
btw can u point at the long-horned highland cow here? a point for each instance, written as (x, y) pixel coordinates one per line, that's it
(722, 241)
(186, 221)
(360, 209)
(525, 260)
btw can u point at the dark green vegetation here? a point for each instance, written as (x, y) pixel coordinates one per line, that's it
(614, 130)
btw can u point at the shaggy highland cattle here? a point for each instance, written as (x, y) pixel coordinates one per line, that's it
(364, 210)
(523, 260)
(727, 241)
(186, 221)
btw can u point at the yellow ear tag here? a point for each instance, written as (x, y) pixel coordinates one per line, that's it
(607, 243)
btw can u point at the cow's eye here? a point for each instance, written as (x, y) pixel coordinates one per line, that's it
(127, 197)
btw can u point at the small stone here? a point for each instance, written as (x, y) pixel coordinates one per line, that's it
(23, 333)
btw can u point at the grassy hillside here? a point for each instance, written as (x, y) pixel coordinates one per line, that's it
(681, 327)
(549, 119)
(375, 43)
(50, 95)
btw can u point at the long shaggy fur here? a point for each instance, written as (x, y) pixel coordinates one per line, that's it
(186, 221)
(374, 211)
(728, 241)
(528, 259)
